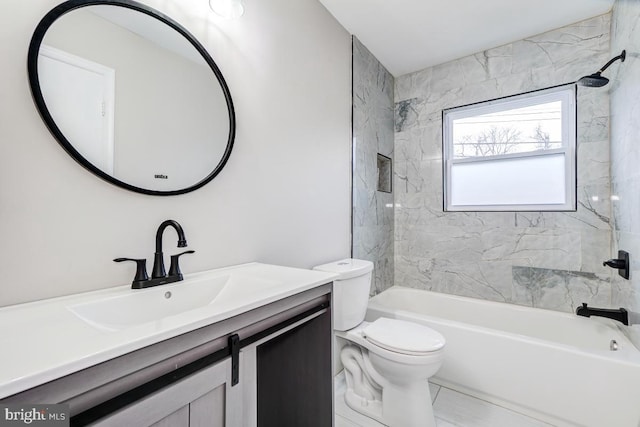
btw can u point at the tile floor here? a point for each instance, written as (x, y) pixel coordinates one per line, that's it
(451, 409)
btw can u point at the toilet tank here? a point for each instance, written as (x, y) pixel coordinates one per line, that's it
(350, 291)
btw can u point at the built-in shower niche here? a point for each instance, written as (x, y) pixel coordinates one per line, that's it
(384, 173)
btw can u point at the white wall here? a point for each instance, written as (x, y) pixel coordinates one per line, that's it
(284, 196)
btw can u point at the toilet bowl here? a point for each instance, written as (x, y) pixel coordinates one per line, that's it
(387, 362)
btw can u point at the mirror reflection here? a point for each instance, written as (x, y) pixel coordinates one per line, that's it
(134, 98)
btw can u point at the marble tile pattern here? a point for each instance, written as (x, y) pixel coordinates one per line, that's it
(625, 151)
(560, 290)
(373, 120)
(492, 255)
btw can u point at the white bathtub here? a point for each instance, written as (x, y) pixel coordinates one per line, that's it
(554, 366)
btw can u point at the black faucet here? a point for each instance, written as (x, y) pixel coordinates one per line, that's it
(620, 314)
(158, 275)
(158, 260)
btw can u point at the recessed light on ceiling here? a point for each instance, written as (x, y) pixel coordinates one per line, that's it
(230, 9)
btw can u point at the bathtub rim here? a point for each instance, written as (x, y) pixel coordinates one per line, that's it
(629, 354)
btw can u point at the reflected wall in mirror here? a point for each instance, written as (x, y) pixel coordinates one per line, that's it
(131, 96)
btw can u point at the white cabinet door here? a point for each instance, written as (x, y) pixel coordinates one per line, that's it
(205, 411)
(205, 398)
(180, 418)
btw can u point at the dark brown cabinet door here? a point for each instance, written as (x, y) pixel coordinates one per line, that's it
(294, 377)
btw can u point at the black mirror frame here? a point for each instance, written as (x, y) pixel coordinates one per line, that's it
(36, 92)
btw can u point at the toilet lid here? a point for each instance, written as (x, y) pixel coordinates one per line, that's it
(403, 337)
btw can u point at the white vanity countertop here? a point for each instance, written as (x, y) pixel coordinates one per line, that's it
(45, 340)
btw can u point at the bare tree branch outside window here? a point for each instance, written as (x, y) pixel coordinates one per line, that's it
(491, 142)
(542, 138)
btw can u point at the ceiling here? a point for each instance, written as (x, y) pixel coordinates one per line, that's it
(410, 35)
(151, 29)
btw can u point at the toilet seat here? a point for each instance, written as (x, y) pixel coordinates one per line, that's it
(400, 336)
(357, 336)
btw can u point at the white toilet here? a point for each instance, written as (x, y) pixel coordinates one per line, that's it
(387, 362)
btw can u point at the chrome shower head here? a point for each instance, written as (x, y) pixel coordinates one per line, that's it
(596, 79)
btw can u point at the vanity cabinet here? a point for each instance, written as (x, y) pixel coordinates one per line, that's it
(270, 366)
(204, 399)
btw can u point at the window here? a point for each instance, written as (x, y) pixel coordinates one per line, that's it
(512, 154)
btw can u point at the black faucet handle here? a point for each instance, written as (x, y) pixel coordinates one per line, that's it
(621, 263)
(141, 269)
(174, 268)
(615, 263)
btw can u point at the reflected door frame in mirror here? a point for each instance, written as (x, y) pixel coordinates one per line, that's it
(45, 113)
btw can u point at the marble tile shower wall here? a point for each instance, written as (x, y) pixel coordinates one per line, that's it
(373, 109)
(625, 149)
(544, 259)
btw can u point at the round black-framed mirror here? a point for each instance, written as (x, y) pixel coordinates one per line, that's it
(158, 121)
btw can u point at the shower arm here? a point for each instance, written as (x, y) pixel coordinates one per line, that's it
(622, 57)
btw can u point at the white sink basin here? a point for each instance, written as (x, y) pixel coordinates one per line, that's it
(138, 306)
(107, 323)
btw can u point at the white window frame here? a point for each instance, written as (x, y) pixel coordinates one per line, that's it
(567, 95)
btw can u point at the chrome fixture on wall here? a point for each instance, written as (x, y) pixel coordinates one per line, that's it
(596, 79)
